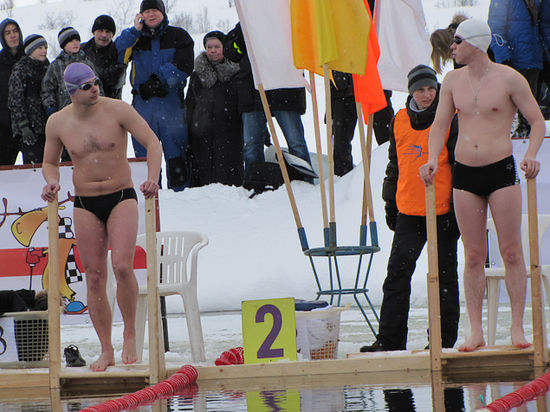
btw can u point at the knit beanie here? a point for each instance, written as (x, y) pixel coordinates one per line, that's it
(67, 34)
(75, 75)
(32, 42)
(476, 32)
(152, 4)
(213, 35)
(421, 76)
(104, 22)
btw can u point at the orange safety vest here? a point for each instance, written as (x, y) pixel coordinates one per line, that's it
(412, 152)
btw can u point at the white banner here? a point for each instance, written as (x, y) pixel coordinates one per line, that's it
(24, 235)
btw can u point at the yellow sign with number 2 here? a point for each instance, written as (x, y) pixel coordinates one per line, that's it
(269, 330)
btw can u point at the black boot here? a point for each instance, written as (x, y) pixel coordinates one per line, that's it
(73, 357)
(377, 346)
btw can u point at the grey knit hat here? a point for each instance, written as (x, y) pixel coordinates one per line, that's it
(421, 76)
(66, 34)
(32, 42)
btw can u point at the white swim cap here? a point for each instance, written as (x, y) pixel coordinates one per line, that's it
(476, 32)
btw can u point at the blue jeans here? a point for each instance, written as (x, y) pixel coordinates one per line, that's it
(254, 130)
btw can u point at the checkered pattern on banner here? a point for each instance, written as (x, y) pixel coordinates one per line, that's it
(65, 228)
(72, 274)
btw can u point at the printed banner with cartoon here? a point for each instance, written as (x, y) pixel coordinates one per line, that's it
(24, 236)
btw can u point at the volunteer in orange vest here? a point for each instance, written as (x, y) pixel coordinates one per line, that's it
(403, 192)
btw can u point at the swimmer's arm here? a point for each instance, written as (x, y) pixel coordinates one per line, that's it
(140, 130)
(50, 161)
(443, 118)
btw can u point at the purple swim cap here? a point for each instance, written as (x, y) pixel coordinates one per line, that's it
(75, 75)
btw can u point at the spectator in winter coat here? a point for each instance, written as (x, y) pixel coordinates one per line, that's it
(406, 215)
(28, 116)
(517, 43)
(12, 51)
(215, 127)
(287, 106)
(162, 59)
(101, 50)
(54, 93)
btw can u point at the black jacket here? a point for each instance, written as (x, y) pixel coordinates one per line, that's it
(215, 130)
(7, 61)
(111, 73)
(288, 99)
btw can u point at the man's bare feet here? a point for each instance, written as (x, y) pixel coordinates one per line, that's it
(472, 343)
(105, 360)
(518, 338)
(129, 351)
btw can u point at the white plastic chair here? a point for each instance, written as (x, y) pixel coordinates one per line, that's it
(494, 275)
(177, 260)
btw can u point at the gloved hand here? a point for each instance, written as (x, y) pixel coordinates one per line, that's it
(152, 88)
(27, 136)
(391, 215)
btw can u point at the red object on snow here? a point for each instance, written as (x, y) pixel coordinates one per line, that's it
(232, 356)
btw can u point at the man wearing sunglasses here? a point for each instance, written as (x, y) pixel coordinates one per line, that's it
(486, 96)
(94, 131)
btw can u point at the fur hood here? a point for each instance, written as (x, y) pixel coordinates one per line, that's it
(209, 73)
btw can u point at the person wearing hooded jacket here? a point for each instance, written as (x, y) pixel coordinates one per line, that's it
(406, 215)
(215, 147)
(28, 116)
(162, 59)
(12, 51)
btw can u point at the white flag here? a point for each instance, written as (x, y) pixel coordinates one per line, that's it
(403, 38)
(267, 33)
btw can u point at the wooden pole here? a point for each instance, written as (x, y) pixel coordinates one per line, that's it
(54, 328)
(156, 356)
(539, 340)
(438, 391)
(434, 312)
(319, 149)
(330, 154)
(366, 156)
(280, 157)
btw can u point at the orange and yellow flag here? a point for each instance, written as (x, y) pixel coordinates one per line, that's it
(330, 31)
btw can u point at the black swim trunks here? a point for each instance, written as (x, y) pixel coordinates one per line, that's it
(484, 180)
(103, 205)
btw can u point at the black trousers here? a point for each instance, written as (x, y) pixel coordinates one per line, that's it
(408, 241)
(344, 119)
(10, 147)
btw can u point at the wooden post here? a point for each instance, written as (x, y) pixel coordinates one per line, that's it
(539, 340)
(434, 312)
(157, 367)
(365, 154)
(319, 149)
(284, 171)
(330, 155)
(438, 391)
(54, 334)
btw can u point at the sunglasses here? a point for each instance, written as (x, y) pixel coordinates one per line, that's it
(458, 40)
(88, 85)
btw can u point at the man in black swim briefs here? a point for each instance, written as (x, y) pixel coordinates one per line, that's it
(102, 205)
(94, 130)
(484, 180)
(486, 96)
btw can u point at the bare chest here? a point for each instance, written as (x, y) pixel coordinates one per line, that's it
(480, 97)
(92, 138)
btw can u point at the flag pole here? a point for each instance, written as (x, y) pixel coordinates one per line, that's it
(367, 190)
(330, 154)
(281, 159)
(319, 156)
